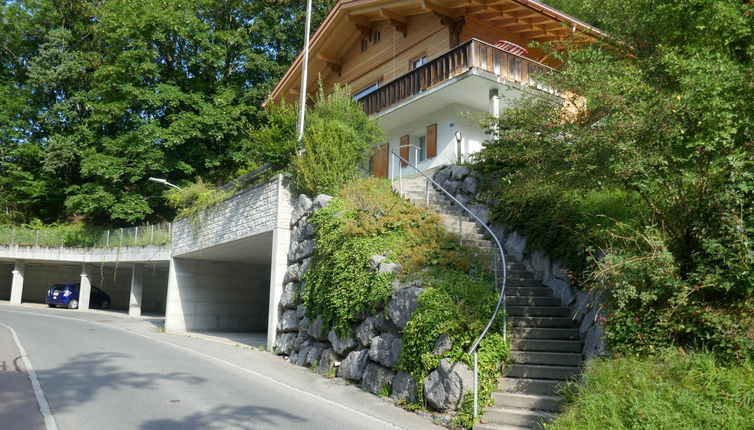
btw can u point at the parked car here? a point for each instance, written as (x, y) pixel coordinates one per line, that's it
(68, 295)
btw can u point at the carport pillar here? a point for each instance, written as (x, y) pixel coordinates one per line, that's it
(17, 284)
(137, 284)
(281, 240)
(85, 288)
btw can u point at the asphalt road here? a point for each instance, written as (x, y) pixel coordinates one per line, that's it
(99, 371)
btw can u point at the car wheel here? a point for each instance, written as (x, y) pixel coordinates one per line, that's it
(73, 304)
(105, 304)
(50, 305)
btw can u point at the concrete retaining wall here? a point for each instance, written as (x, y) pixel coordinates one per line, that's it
(207, 295)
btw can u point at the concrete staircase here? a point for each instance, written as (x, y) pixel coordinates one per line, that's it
(545, 344)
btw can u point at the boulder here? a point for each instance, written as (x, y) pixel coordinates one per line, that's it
(515, 246)
(561, 289)
(289, 321)
(341, 344)
(291, 273)
(284, 343)
(315, 352)
(374, 262)
(390, 268)
(303, 354)
(404, 387)
(481, 211)
(300, 208)
(581, 307)
(353, 366)
(305, 265)
(303, 250)
(459, 172)
(403, 305)
(320, 201)
(327, 360)
(594, 343)
(289, 297)
(317, 329)
(366, 331)
(385, 349)
(470, 185)
(540, 265)
(441, 176)
(442, 345)
(445, 386)
(302, 337)
(375, 377)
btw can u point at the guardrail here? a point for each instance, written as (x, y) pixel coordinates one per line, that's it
(149, 234)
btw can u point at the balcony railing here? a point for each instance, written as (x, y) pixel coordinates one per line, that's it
(459, 60)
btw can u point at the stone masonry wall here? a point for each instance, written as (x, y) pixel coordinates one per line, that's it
(246, 213)
(586, 308)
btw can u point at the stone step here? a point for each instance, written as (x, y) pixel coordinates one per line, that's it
(574, 346)
(528, 291)
(510, 265)
(520, 274)
(537, 311)
(529, 386)
(516, 417)
(544, 322)
(553, 358)
(532, 301)
(541, 371)
(524, 283)
(539, 402)
(545, 333)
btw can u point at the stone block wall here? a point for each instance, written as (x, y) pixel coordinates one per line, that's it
(586, 307)
(244, 214)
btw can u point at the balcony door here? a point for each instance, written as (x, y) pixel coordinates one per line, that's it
(378, 163)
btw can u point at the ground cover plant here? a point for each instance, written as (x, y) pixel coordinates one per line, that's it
(367, 218)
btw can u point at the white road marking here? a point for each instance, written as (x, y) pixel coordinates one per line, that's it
(44, 408)
(227, 363)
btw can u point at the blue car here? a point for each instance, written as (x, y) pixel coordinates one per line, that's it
(67, 295)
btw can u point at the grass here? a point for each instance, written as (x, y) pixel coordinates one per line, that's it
(673, 390)
(84, 236)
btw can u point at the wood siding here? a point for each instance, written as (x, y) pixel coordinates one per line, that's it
(490, 33)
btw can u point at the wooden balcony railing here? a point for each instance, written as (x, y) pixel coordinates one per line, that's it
(471, 54)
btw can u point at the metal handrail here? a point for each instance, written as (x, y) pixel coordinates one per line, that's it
(500, 301)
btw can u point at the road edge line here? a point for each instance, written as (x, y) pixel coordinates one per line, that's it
(44, 407)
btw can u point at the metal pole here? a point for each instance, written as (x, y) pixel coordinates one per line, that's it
(36, 241)
(476, 384)
(136, 236)
(304, 73)
(121, 237)
(151, 237)
(426, 192)
(107, 240)
(460, 226)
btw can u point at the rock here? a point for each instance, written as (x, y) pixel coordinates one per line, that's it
(366, 331)
(403, 305)
(384, 324)
(469, 185)
(303, 250)
(481, 211)
(390, 268)
(353, 366)
(317, 329)
(451, 186)
(291, 273)
(561, 289)
(594, 343)
(459, 172)
(289, 321)
(559, 271)
(515, 246)
(441, 176)
(445, 386)
(581, 307)
(305, 265)
(320, 201)
(302, 354)
(341, 345)
(292, 358)
(375, 377)
(315, 351)
(590, 319)
(404, 387)
(443, 345)
(284, 343)
(289, 298)
(305, 230)
(374, 262)
(327, 361)
(302, 338)
(500, 231)
(540, 265)
(385, 349)
(462, 199)
(300, 208)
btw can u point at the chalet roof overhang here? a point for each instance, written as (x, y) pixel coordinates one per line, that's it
(350, 20)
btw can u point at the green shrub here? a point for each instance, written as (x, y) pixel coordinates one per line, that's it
(674, 389)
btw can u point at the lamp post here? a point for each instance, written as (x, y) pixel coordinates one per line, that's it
(304, 74)
(164, 182)
(459, 137)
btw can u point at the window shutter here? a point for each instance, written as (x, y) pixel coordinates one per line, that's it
(432, 140)
(404, 149)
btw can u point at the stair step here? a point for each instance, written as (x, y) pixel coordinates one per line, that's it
(546, 345)
(529, 386)
(516, 417)
(520, 274)
(540, 357)
(541, 371)
(540, 402)
(528, 291)
(524, 283)
(532, 301)
(538, 311)
(545, 333)
(547, 322)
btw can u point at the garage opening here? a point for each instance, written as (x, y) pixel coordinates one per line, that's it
(6, 280)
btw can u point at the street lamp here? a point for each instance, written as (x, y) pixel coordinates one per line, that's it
(459, 137)
(164, 182)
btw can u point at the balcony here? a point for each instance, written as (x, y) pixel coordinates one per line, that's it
(473, 54)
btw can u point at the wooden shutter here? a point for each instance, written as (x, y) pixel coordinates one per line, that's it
(431, 140)
(379, 162)
(404, 149)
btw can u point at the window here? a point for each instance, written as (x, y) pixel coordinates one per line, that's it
(364, 44)
(419, 62)
(375, 36)
(422, 152)
(366, 91)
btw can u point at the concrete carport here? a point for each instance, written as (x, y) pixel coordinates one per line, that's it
(228, 263)
(135, 278)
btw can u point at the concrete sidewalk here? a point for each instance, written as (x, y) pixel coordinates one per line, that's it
(18, 404)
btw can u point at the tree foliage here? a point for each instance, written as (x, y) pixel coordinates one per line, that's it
(664, 111)
(96, 96)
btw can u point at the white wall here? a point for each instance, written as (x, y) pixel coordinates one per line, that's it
(208, 295)
(448, 119)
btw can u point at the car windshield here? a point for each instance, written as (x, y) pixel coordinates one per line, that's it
(57, 287)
